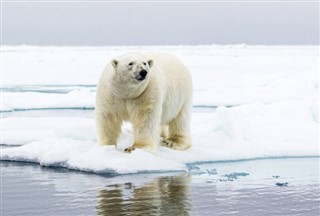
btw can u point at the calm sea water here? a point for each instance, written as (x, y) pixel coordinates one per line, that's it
(256, 187)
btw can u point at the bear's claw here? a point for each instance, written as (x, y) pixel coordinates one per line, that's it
(175, 145)
(167, 143)
(129, 149)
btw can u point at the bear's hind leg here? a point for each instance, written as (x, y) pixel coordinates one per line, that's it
(164, 132)
(177, 142)
(179, 132)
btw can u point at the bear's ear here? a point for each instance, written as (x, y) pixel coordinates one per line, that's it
(114, 63)
(150, 62)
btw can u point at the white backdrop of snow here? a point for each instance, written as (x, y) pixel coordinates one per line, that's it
(275, 88)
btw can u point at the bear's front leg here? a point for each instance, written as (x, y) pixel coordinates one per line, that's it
(108, 128)
(150, 146)
(146, 125)
(146, 137)
(140, 144)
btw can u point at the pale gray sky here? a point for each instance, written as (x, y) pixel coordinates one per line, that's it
(159, 23)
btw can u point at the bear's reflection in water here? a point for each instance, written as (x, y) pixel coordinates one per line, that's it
(162, 196)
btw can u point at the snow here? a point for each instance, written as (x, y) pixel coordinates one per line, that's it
(83, 99)
(266, 98)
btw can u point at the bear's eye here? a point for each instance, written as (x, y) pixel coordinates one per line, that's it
(130, 64)
(144, 63)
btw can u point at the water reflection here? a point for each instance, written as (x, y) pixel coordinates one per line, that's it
(162, 196)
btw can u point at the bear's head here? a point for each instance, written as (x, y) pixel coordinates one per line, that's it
(131, 72)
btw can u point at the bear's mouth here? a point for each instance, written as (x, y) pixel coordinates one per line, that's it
(140, 78)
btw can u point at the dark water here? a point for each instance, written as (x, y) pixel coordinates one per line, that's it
(232, 188)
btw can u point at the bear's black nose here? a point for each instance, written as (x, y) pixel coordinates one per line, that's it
(143, 73)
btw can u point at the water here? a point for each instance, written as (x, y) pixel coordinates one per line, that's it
(229, 188)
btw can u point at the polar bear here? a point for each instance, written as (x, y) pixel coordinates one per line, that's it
(152, 91)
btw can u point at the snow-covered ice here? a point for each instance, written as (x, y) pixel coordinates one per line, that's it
(243, 132)
(266, 98)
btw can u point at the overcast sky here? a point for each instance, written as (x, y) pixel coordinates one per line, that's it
(159, 23)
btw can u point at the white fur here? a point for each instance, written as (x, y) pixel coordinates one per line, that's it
(159, 104)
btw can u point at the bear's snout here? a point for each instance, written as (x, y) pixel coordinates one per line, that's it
(142, 75)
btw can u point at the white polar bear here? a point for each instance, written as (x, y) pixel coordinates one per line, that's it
(154, 93)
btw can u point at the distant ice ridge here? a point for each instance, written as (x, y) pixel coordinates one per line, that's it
(74, 99)
(222, 75)
(284, 128)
